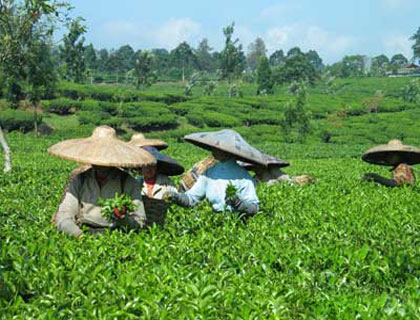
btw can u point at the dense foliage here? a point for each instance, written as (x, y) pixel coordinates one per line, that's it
(335, 249)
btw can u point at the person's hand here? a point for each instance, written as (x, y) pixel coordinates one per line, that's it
(175, 197)
(233, 202)
(169, 196)
(120, 214)
(368, 177)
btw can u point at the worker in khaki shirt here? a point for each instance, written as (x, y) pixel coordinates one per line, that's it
(103, 154)
(79, 205)
(399, 157)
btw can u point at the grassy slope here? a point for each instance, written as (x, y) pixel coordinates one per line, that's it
(336, 249)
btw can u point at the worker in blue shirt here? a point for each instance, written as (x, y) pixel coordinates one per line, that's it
(227, 146)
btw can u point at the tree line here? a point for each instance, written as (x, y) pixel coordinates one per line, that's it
(31, 63)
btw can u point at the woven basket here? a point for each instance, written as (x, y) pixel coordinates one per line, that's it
(156, 211)
(192, 175)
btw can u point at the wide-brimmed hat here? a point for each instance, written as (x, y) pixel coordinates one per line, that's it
(103, 148)
(165, 164)
(228, 141)
(392, 154)
(271, 161)
(139, 140)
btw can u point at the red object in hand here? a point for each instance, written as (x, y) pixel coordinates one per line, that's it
(118, 214)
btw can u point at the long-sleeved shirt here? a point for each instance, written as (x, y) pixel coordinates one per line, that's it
(79, 205)
(213, 182)
(162, 185)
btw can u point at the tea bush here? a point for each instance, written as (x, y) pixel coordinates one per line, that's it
(60, 106)
(11, 119)
(337, 249)
(150, 123)
(91, 117)
(212, 119)
(115, 94)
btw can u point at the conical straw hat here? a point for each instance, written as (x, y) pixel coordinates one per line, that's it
(392, 154)
(102, 148)
(271, 161)
(165, 164)
(139, 140)
(228, 141)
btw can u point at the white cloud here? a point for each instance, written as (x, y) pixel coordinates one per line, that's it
(140, 35)
(331, 47)
(174, 31)
(397, 44)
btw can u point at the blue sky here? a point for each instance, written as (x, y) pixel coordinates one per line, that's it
(333, 28)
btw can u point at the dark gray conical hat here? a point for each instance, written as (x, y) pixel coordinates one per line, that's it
(228, 141)
(392, 154)
(271, 161)
(165, 164)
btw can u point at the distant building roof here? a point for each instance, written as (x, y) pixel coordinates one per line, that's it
(412, 66)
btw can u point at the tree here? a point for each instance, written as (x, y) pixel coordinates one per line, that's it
(91, 59)
(25, 28)
(295, 51)
(296, 122)
(264, 77)
(353, 66)
(296, 68)
(256, 50)
(160, 61)
(41, 76)
(183, 56)
(335, 70)
(22, 24)
(416, 46)
(72, 51)
(315, 60)
(277, 58)
(103, 57)
(125, 56)
(232, 58)
(379, 65)
(205, 59)
(411, 92)
(399, 60)
(143, 69)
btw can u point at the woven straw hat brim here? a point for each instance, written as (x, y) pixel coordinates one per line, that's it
(233, 144)
(165, 164)
(102, 152)
(392, 155)
(141, 141)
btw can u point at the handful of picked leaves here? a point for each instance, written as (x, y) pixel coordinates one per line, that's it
(230, 193)
(117, 207)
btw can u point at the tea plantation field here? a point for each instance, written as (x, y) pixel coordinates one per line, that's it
(337, 249)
